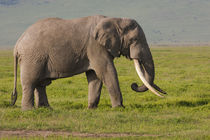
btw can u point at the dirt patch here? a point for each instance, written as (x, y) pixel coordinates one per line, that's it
(46, 133)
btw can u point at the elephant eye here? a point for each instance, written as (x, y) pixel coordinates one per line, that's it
(133, 40)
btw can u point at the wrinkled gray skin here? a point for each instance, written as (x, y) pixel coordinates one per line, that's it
(56, 48)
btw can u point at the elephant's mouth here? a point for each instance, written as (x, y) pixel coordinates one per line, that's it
(152, 87)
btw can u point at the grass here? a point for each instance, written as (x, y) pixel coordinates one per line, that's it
(184, 72)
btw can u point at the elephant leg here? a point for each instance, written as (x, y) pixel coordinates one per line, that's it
(112, 84)
(94, 89)
(27, 89)
(41, 97)
(29, 73)
(27, 97)
(108, 75)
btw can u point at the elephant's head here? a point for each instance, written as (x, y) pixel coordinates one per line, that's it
(122, 36)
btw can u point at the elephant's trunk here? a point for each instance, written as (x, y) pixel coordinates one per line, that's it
(147, 68)
(146, 85)
(146, 71)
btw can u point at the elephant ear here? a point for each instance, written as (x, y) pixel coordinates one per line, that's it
(107, 36)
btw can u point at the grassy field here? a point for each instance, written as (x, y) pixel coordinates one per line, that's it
(184, 72)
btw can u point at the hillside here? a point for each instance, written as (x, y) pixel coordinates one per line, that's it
(164, 22)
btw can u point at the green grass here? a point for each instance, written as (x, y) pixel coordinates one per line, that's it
(184, 72)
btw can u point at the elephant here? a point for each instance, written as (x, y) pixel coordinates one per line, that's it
(56, 48)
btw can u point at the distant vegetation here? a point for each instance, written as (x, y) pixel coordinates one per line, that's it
(183, 114)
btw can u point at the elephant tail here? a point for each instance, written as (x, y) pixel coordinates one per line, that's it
(14, 93)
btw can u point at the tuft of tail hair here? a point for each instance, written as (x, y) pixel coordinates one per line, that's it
(13, 97)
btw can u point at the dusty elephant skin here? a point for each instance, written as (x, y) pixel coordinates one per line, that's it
(56, 48)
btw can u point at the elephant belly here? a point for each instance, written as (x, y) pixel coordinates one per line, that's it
(61, 67)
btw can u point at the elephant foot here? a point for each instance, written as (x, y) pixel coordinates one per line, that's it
(26, 108)
(118, 106)
(92, 106)
(43, 105)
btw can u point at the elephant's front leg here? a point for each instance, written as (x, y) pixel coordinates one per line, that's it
(110, 80)
(41, 97)
(94, 89)
(108, 74)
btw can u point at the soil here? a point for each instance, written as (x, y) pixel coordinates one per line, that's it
(47, 133)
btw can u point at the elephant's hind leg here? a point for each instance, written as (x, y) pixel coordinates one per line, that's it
(29, 73)
(28, 86)
(27, 97)
(94, 89)
(41, 97)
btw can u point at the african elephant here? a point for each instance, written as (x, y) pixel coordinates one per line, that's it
(55, 48)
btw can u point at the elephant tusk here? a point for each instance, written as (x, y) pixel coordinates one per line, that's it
(141, 76)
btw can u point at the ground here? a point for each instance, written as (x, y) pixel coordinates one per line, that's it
(184, 113)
